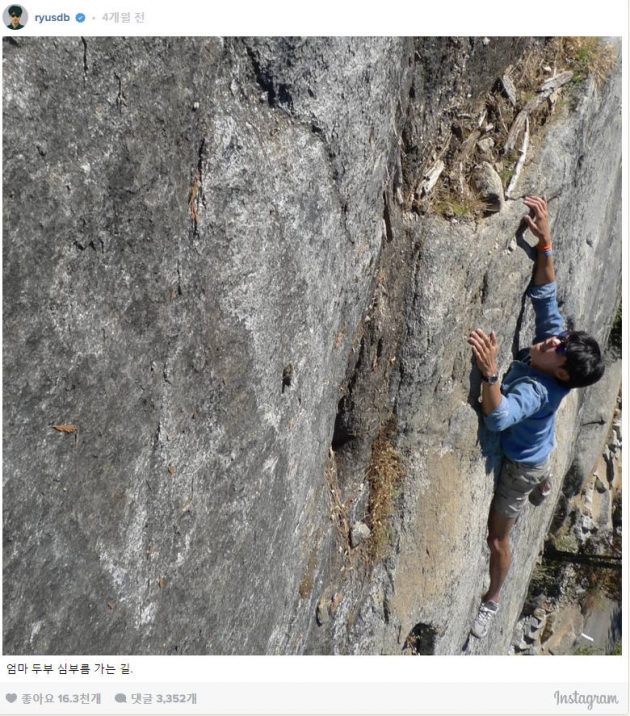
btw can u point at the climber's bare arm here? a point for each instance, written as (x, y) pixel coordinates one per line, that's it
(539, 226)
(485, 349)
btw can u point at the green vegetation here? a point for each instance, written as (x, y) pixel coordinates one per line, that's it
(586, 650)
(566, 543)
(587, 56)
(546, 579)
(614, 341)
(460, 207)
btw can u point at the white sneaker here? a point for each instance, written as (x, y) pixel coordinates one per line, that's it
(487, 612)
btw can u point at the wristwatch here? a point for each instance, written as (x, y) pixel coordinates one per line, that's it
(491, 379)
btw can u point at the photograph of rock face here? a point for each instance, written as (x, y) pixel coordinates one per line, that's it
(241, 413)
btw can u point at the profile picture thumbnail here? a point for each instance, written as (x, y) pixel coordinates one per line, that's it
(15, 17)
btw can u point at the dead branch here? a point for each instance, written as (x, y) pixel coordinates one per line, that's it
(554, 82)
(431, 177)
(520, 163)
(544, 92)
(509, 88)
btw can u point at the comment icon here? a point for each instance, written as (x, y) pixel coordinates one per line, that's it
(121, 698)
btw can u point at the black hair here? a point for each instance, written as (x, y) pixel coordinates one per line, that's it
(15, 11)
(584, 362)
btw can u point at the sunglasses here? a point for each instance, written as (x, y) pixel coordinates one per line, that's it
(564, 339)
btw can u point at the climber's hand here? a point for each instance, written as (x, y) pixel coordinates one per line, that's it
(485, 349)
(539, 225)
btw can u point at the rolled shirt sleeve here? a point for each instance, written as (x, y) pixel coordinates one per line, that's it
(523, 400)
(549, 322)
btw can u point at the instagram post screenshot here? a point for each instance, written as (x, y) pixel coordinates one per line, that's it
(314, 357)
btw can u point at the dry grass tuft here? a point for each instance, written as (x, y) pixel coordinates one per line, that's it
(586, 56)
(460, 207)
(338, 510)
(384, 475)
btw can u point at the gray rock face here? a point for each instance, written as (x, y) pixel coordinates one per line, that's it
(180, 259)
(195, 231)
(594, 428)
(489, 186)
(466, 277)
(359, 532)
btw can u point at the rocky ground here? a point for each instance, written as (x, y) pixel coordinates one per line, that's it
(569, 609)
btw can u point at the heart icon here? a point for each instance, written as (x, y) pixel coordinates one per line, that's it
(11, 698)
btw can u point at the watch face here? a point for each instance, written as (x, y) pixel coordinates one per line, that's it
(493, 379)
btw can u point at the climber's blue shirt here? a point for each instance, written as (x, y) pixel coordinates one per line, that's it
(527, 410)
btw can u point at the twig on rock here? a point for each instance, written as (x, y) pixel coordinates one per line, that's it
(431, 177)
(520, 163)
(545, 90)
(509, 88)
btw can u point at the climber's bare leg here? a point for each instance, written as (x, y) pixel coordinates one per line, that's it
(499, 528)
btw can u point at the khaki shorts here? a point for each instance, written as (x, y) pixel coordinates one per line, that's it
(516, 481)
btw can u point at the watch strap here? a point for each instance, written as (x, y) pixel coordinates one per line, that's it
(491, 379)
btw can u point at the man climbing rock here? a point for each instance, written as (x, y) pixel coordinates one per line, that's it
(523, 407)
